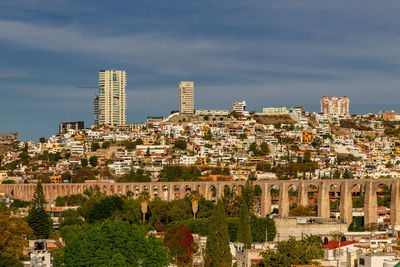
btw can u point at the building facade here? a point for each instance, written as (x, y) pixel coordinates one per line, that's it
(391, 115)
(186, 97)
(110, 101)
(212, 112)
(71, 125)
(335, 105)
(275, 111)
(239, 106)
(9, 138)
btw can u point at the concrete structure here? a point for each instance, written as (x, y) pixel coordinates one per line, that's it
(247, 257)
(39, 254)
(186, 97)
(299, 227)
(8, 138)
(71, 125)
(275, 111)
(375, 259)
(335, 105)
(110, 102)
(211, 112)
(391, 116)
(239, 106)
(172, 190)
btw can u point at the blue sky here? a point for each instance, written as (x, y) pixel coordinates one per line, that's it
(269, 53)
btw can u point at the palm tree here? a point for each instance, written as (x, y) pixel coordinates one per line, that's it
(194, 198)
(129, 194)
(144, 197)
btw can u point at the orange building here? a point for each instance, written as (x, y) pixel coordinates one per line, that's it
(56, 179)
(307, 137)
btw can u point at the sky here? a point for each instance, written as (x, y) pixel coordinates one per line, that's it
(267, 52)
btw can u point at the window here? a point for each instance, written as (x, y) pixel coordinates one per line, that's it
(362, 261)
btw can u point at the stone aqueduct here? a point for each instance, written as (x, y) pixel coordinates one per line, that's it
(172, 190)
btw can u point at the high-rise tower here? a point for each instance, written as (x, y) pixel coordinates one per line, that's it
(186, 97)
(110, 101)
(335, 105)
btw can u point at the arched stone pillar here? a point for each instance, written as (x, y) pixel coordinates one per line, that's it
(346, 203)
(265, 199)
(207, 191)
(220, 191)
(370, 204)
(395, 205)
(171, 192)
(182, 191)
(323, 200)
(151, 191)
(283, 200)
(303, 194)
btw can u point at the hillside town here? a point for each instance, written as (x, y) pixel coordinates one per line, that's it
(222, 146)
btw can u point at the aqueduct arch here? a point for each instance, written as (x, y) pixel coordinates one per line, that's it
(214, 190)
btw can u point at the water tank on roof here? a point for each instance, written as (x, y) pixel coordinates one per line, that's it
(40, 245)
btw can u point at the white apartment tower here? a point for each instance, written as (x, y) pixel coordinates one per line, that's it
(335, 105)
(110, 101)
(186, 97)
(239, 106)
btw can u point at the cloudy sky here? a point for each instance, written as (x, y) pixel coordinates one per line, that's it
(269, 53)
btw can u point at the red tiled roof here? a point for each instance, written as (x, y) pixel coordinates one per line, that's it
(332, 244)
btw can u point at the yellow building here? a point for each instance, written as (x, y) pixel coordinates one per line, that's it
(56, 179)
(307, 137)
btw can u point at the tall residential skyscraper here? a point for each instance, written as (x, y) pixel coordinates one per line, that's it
(335, 105)
(110, 101)
(186, 97)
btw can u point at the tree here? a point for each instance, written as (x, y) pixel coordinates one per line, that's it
(130, 145)
(292, 252)
(84, 162)
(194, 198)
(19, 204)
(244, 231)
(103, 208)
(42, 140)
(181, 144)
(179, 241)
(307, 157)
(113, 243)
(6, 260)
(24, 158)
(301, 211)
(139, 141)
(242, 136)
(38, 219)
(148, 154)
(8, 182)
(217, 247)
(253, 148)
(144, 198)
(105, 145)
(93, 161)
(70, 217)
(234, 114)
(95, 146)
(347, 174)
(13, 234)
(264, 149)
(248, 194)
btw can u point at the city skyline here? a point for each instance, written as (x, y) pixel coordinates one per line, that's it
(268, 54)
